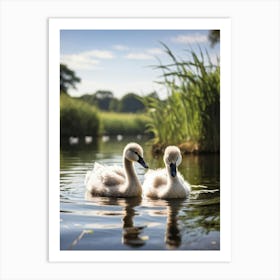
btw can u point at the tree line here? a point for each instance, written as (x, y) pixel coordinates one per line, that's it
(104, 100)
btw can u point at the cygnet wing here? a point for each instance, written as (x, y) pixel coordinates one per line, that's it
(112, 176)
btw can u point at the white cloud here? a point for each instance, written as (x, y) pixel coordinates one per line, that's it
(120, 47)
(139, 56)
(85, 60)
(99, 54)
(190, 39)
(145, 54)
(79, 61)
(155, 51)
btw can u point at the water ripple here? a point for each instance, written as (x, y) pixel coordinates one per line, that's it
(101, 223)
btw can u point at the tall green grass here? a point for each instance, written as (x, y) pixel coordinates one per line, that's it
(191, 113)
(77, 118)
(123, 123)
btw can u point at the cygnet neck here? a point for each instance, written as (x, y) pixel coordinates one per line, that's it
(130, 172)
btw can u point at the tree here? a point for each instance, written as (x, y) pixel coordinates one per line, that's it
(103, 99)
(68, 78)
(114, 105)
(89, 98)
(214, 37)
(131, 103)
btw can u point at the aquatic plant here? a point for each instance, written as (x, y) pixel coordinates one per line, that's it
(190, 115)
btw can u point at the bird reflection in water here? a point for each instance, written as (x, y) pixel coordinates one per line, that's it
(131, 234)
(170, 209)
(173, 234)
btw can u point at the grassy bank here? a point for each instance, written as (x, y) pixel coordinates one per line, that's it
(77, 118)
(123, 123)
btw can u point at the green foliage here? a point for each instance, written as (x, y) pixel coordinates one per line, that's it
(123, 123)
(77, 118)
(68, 78)
(101, 99)
(214, 37)
(152, 94)
(131, 103)
(191, 113)
(114, 105)
(88, 98)
(105, 101)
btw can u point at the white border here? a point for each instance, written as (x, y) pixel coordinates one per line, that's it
(55, 25)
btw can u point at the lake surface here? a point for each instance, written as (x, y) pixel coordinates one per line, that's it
(101, 223)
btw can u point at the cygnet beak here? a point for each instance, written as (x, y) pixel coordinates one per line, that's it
(173, 170)
(142, 162)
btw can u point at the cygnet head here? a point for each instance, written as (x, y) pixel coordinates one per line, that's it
(172, 158)
(134, 152)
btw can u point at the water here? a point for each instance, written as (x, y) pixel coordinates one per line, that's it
(101, 223)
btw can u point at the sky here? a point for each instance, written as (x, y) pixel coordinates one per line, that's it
(122, 61)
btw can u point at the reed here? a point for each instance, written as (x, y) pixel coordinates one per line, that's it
(190, 115)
